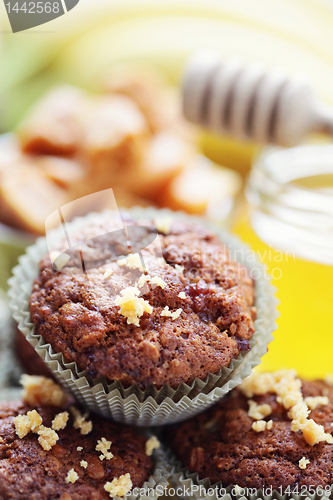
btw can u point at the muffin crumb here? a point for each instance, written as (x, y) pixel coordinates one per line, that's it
(314, 402)
(119, 486)
(299, 414)
(269, 424)
(103, 445)
(156, 280)
(152, 444)
(144, 278)
(259, 425)
(179, 268)
(84, 464)
(107, 273)
(72, 477)
(303, 463)
(258, 412)
(47, 437)
(314, 433)
(174, 315)
(131, 306)
(163, 224)
(182, 295)
(79, 448)
(60, 421)
(40, 390)
(80, 421)
(133, 261)
(27, 423)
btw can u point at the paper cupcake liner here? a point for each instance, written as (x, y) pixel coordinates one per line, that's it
(132, 405)
(9, 367)
(188, 485)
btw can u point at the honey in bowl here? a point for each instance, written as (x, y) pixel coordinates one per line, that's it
(290, 227)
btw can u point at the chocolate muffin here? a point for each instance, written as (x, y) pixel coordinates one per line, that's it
(49, 451)
(181, 309)
(274, 431)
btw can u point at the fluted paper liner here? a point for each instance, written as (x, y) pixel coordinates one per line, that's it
(188, 485)
(152, 406)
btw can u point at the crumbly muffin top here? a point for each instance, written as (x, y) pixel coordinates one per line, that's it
(49, 453)
(182, 312)
(275, 430)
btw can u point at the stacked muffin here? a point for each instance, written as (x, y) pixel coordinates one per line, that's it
(184, 311)
(271, 434)
(50, 449)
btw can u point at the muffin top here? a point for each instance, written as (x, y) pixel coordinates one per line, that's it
(182, 311)
(51, 451)
(275, 430)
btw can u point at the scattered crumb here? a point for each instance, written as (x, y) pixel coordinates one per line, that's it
(152, 444)
(163, 224)
(80, 421)
(107, 273)
(35, 419)
(258, 412)
(104, 446)
(27, 423)
(156, 280)
(182, 295)
(179, 268)
(174, 315)
(259, 425)
(131, 306)
(133, 261)
(32, 422)
(303, 463)
(313, 402)
(119, 486)
(261, 383)
(144, 278)
(269, 424)
(72, 477)
(42, 391)
(287, 387)
(60, 421)
(314, 433)
(298, 414)
(47, 437)
(59, 260)
(79, 448)
(84, 464)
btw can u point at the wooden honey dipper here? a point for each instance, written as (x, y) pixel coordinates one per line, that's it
(249, 101)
